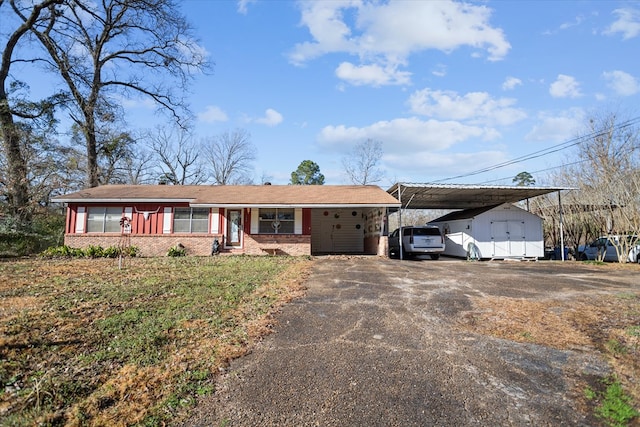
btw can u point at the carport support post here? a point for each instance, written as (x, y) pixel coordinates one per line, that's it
(561, 229)
(400, 220)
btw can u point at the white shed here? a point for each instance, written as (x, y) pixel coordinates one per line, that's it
(492, 232)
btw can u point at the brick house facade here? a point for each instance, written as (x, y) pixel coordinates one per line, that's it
(254, 220)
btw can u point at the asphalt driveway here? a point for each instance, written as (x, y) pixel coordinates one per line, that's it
(376, 342)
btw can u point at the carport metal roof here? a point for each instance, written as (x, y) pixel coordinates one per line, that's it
(462, 196)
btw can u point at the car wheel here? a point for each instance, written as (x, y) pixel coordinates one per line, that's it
(435, 256)
(583, 257)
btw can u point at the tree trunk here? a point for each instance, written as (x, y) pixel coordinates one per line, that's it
(17, 183)
(92, 155)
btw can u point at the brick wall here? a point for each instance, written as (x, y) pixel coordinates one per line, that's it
(376, 245)
(149, 245)
(158, 245)
(282, 244)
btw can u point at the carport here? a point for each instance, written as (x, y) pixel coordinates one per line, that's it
(464, 196)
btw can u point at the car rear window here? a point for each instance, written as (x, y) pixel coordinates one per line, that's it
(426, 231)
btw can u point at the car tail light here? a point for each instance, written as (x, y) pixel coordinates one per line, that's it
(441, 238)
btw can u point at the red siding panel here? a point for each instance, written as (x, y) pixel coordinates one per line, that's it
(306, 221)
(71, 219)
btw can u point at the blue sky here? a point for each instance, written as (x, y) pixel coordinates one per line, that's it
(447, 87)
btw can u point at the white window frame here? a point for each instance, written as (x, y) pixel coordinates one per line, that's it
(177, 211)
(268, 223)
(111, 216)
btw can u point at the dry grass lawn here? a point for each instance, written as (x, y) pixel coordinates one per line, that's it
(604, 323)
(83, 342)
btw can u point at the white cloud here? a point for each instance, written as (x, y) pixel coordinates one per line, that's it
(399, 135)
(566, 25)
(191, 52)
(243, 6)
(510, 83)
(387, 33)
(440, 70)
(212, 114)
(628, 23)
(556, 127)
(475, 107)
(144, 103)
(622, 83)
(329, 32)
(271, 118)
(577, 21)
(373, 75)
(565, 87)
(399, 28)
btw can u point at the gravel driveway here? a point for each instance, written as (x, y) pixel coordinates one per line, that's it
(379, 342)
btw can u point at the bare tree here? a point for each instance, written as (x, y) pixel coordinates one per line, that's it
(230, 156)
(177, 157)
(605, 174)
(137, 168)
(361, 165)
(125, 47)
(16, 186)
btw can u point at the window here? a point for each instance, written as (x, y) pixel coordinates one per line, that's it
(191, 220)
(277, 221)
(104, 220)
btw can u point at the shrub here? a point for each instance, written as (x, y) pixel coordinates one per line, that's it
(111, 252)
(63, 251)
(94, 252)
(176, 251)
(90, 252)
(131, 251)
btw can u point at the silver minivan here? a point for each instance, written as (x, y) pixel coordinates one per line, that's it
(417, 240)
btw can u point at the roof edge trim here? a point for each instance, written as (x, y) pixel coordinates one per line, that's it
(294, 205)
(122, 200)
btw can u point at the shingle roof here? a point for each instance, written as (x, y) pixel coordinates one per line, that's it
(237, 195)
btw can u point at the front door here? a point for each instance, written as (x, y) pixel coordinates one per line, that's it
(234, 227)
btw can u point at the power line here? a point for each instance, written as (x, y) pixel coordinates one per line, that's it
(550, 150)
(537, 171)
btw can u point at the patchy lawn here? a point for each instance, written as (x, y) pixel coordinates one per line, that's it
(607, 324)
(83, 342)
